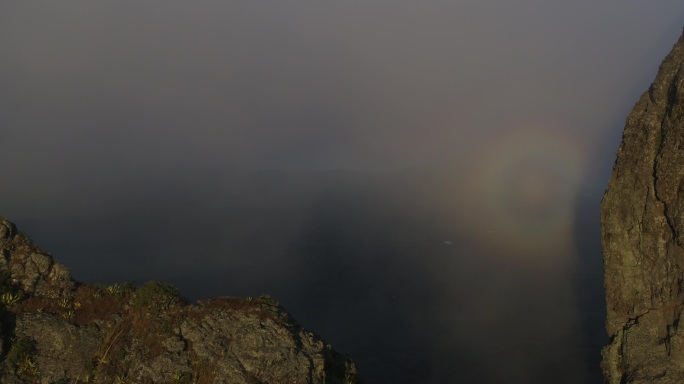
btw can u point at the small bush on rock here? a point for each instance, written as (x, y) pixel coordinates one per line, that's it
(21, 353)
(158, 295)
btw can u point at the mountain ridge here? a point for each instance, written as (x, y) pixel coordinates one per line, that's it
(57, 330)
(642, 220)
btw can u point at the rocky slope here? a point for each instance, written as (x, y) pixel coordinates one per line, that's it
(642, 218)
(56, 330)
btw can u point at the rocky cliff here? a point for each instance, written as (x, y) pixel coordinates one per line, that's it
(642, 217)
(56, 330)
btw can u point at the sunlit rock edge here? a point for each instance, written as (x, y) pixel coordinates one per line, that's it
(642, 218)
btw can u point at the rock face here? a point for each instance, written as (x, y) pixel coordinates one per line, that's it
(56, 330)
(642, 218)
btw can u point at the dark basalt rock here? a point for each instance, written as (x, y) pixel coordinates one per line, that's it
(642, 217)
(56, 330)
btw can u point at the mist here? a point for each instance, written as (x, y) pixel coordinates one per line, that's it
(416, 182)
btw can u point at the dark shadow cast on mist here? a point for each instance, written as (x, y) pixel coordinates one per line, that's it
(380, 265)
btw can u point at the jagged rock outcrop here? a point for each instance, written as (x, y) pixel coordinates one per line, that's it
(56, 330)
(642, 217)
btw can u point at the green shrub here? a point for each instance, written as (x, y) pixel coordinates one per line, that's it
(120, 290)
(9, 292)
(268, 300)
(21, 351)
(157, 294)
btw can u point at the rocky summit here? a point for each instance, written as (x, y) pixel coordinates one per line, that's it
(56, 330)
(642, 217)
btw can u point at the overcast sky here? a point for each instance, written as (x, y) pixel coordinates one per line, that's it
(125, 87)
